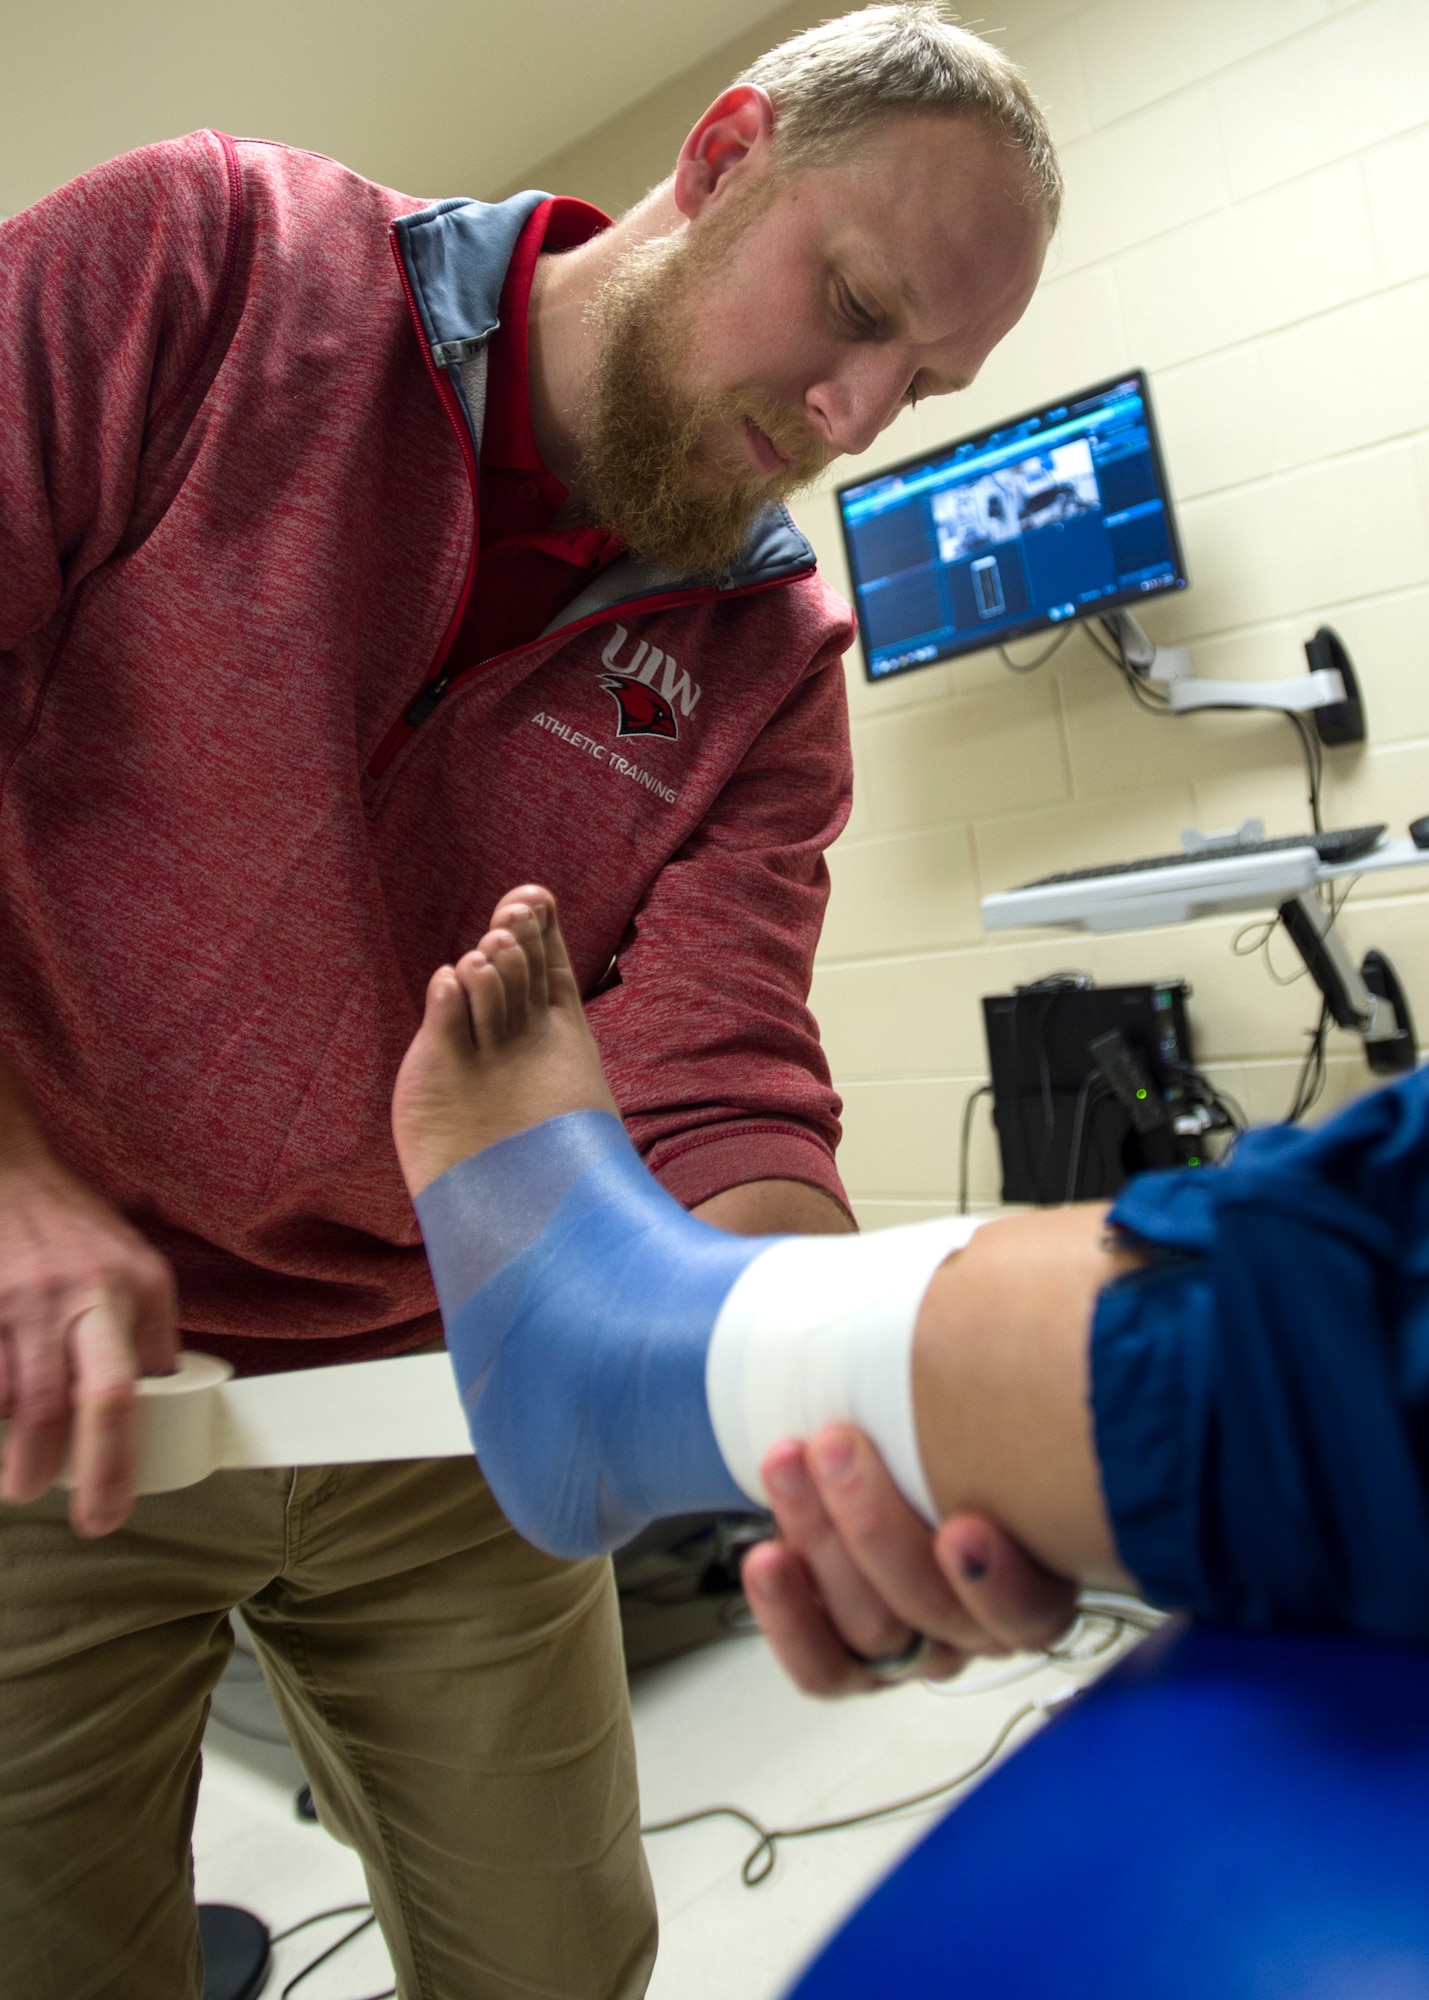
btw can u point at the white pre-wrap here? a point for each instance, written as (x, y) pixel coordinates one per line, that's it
(819, 1330)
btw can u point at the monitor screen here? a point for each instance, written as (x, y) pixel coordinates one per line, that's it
(1060, 514)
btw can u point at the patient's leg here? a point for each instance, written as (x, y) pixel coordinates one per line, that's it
(1002, 1386)
(620, 1360)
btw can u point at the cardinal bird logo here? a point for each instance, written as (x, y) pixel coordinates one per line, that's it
(642, 711)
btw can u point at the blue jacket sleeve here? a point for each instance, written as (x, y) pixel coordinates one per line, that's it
(1261, 1387)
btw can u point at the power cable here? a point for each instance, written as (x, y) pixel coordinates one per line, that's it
(369, 1918)
(1255, 937)
(1031, 666)
(1314, 763)
(965, 1142)
(1311, 1082)
(758, 1864)
(1094, 1088)
(1121, 1615)
(1137, 685)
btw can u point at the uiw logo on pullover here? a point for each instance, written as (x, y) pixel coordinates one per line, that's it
(644, 710)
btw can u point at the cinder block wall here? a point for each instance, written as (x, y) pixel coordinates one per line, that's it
(1246, 217)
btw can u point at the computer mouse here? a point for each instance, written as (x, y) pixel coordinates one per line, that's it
(1419, 831)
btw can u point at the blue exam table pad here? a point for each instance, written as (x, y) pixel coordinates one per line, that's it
(1225, 1817)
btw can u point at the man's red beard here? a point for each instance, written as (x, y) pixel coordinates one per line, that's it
(665, 468)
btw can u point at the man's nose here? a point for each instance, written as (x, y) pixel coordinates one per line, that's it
(854, 405)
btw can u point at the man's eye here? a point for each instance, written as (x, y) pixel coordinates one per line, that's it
(856, 313)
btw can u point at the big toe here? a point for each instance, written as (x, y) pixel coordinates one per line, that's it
(542, 905)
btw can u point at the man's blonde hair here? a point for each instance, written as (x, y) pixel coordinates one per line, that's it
(840, 79)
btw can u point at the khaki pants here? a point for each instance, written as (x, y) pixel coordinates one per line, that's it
(457, 1699)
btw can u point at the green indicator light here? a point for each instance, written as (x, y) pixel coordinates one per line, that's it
(1194, 1161)
(1141, 1093)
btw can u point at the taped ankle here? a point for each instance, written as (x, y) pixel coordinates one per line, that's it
(619, 1360)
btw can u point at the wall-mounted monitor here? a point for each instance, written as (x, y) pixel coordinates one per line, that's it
(1060, 514)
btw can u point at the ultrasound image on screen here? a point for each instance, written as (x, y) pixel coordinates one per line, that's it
(1052, 517)
(1051, 486)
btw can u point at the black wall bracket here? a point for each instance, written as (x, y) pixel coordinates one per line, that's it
(1343, 721)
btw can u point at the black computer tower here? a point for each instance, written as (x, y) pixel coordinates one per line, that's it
(1064, 1133)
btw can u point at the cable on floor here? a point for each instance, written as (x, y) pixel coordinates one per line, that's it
(758, 1864)
(1121, 1614)
(369, 1918)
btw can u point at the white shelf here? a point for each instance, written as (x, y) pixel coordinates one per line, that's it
(1214, 885)
(1393, 854)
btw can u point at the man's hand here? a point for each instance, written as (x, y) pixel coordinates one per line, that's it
(86, 1306)
(857, 1571)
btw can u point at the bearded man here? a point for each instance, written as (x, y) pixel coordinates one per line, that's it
(357, 558)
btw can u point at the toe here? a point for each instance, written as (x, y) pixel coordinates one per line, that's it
(525, 925)
(534, 897)
(485, 996)
(560, 975)
(510, 965)
(446, 1013)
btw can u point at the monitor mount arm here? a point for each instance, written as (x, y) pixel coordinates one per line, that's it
(1329, 684)
(1368, 1001)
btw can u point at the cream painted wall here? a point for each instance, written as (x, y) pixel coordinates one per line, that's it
(1246, 217)
(626, 155)
(436, 97)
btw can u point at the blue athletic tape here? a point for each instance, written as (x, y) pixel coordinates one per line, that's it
(579, 1299)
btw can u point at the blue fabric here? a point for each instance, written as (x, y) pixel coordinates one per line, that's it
(1261, 1389)
(1227, 1816)
(579, 1299)
(456, 254)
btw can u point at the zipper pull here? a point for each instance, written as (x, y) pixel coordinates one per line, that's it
(426, 701)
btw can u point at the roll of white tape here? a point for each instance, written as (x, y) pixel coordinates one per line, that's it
(179, 1423)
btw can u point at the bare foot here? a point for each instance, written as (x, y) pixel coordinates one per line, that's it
(503, 1045)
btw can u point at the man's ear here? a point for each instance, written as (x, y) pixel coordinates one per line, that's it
(730, 142)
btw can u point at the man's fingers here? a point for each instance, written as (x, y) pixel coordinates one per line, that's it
(105, 1429)
(85, 1304)
(1009, 1595)
(887, 1542)
(860, 1571)
(39, 1428)
(861, 1614)
(782, 1597)
(154, 1321)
